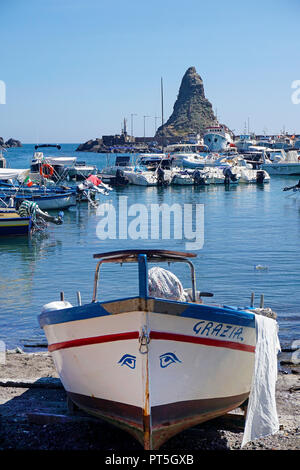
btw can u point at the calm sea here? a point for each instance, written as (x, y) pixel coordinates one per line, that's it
(244, 226)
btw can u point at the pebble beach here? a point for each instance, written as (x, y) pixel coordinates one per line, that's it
(34, 416)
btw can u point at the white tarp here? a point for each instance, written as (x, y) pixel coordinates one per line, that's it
(164, 284)
(262, 419)
(12, 173)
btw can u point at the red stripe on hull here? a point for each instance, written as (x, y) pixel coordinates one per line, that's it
(153, 335)
(199, 340)
(74, 343)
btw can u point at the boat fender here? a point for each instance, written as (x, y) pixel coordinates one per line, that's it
(57, 305)
(48, 170)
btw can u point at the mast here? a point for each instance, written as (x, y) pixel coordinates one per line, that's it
(162, 112)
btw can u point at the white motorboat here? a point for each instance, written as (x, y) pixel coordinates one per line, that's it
(219, 175)
(183, 154)
(122, 162)
(157, 363)
(188, 177)
(246, 173)
(193, 160)
(81, 171)
(280, 162)
(140, 177)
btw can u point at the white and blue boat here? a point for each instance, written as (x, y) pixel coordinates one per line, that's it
(218, 138)
(152, 364)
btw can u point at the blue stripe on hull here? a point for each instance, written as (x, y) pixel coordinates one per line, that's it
(17, 230)
(195, 311)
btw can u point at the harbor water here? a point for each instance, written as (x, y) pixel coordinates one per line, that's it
(251, 244)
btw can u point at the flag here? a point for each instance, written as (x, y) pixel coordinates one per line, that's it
(28, 181)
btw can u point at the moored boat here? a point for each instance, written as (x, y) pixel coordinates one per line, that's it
(11, 223)
(153, 364)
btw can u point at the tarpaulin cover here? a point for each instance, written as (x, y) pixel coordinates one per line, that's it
(262, 419)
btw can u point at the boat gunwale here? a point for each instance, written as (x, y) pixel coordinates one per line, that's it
(189, 310)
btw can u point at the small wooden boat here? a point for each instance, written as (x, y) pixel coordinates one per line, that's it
(12, 224)
(46, 199)
(152, 366)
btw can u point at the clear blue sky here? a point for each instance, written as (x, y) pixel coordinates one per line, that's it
(75, 68)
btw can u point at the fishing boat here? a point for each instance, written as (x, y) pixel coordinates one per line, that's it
(45, 198)
(50, 166)
(217, 138)
(11, 223)
(156, 363)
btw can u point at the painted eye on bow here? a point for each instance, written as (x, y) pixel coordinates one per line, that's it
(167, 359)
(128, 360)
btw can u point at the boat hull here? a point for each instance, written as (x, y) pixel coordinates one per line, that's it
(128, 366)
(46, 201)
(282, 168)
(12, 224)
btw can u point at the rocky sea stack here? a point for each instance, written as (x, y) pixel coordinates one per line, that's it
(192, 112)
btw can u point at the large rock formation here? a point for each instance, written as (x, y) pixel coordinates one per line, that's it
(192, 112)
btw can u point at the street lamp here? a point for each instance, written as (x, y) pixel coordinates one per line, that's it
(132, 123)
(144, 126)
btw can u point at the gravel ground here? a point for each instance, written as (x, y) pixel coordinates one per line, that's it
(19, 432)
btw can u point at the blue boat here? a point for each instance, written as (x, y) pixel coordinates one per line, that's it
(12, 224)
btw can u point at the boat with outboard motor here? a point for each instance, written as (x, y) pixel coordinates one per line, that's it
(280, 162)
(124, 360)
(11, 223)
(158, 171)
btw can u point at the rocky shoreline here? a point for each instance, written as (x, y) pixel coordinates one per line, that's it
(10, 143)
(34, 416)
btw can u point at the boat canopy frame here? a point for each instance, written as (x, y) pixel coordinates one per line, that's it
(142, 257)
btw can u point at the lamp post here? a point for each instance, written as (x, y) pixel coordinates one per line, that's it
(132, 114)
(145, 126)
